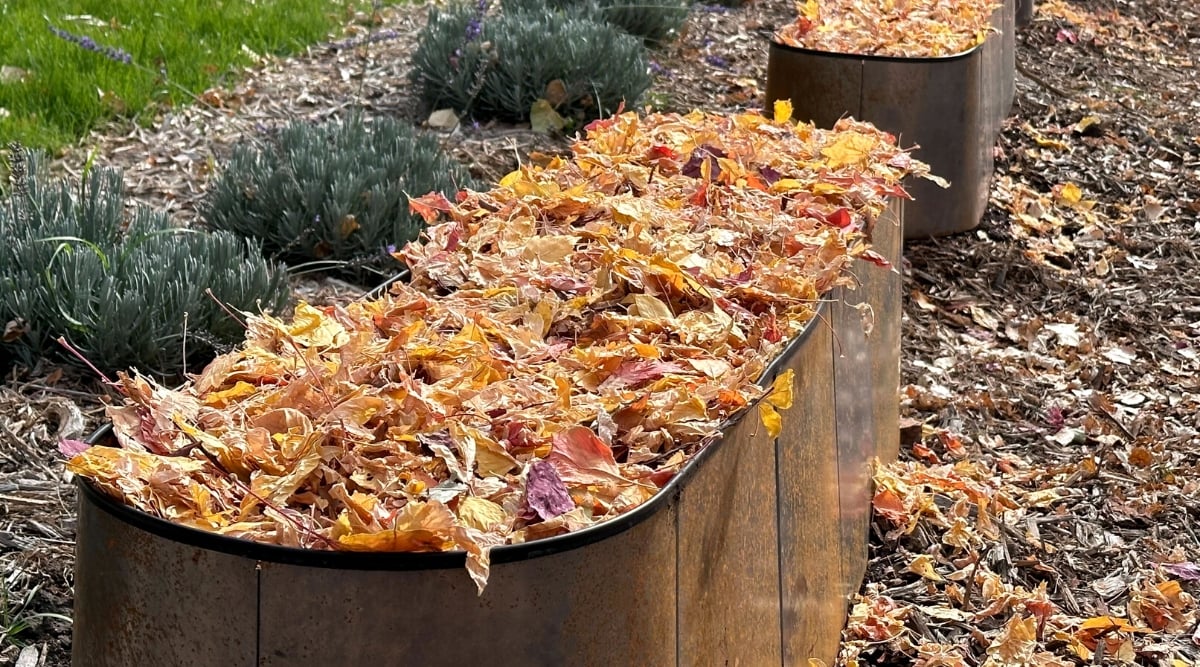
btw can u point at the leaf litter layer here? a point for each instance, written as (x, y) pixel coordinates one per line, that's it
(896, 28)
(569, 340)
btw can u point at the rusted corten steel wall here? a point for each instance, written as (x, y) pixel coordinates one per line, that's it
(1025, 9)
(748, 557)
(952, 107)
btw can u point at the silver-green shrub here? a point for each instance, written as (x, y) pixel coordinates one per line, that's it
(123, 290)
(496, 65)
(333, 195)
(655, 21)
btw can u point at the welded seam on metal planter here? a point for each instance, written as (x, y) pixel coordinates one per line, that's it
(391, 560)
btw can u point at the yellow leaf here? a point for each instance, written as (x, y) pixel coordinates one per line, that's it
(1108, 623)
(481, 514)
(549, 249)
(511, 178)
(787, 185)
(1071, 193)
(626, 212)
(651, 307)
(563, 389)
(849, 150)
(783, 109)
(827, 189)
(1086, 122)
(1016, 643)
(770, 419)
(221, 399)
(810, 10)
(418, 527)
(647, 351)
(780, 394)
(923, 565)
(491, 459)
(311, 328)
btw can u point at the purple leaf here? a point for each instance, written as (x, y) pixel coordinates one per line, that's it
(769, 175)
(708, 153)
(1186, 571)
(71, 448)
(545, 491)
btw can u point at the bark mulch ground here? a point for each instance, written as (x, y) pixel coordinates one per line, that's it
(1046, 508)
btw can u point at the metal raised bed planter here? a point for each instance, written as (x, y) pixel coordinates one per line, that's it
(747, 556)
(951, 106)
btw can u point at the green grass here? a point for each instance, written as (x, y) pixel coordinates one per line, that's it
(68, 90)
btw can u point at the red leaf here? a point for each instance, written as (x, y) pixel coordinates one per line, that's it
(429, 206)
(636, 373)
(840, 218)
(581, 457)
(660, 152)
(876, 259)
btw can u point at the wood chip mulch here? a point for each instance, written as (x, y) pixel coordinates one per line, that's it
(1050, 356)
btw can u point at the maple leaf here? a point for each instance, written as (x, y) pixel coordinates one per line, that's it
(849, 150)
(430, 206)
(581, 457)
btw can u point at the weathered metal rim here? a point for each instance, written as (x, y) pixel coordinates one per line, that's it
(776, 44)
(355, 560)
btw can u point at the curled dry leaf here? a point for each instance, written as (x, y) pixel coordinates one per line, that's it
(569, 340)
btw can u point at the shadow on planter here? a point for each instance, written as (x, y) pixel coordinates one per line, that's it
(951, 106)
(748, 555)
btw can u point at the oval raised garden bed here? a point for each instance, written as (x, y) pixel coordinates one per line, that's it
(951, 106)
(747, 554)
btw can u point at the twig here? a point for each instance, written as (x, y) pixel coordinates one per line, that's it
(1041, 82)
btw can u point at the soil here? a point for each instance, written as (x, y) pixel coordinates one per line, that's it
(1055, 348)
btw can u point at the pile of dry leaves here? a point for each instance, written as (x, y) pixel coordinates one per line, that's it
(568, 341)
(898, 28)
(967, 532)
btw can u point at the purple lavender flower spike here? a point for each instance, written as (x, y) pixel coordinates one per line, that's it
(88, 44)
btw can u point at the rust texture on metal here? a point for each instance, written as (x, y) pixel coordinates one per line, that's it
(999, 64)
(728, 554)
(951, 107)
(882, 290)
(609, 603)
(866, 323)
(1024, 13)
(141, 599)
(813, 603)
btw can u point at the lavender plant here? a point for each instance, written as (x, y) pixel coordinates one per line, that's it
(333, 195)
(655, 21)
(497, 65)
(122, 290)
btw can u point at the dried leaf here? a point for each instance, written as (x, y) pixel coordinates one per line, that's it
(545, 491)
